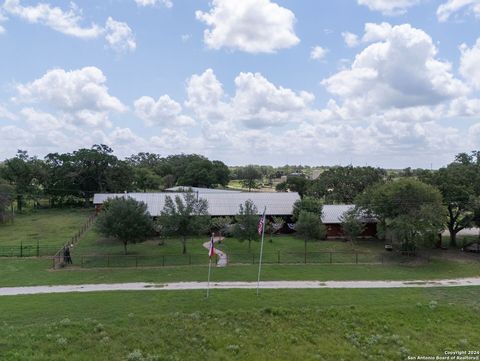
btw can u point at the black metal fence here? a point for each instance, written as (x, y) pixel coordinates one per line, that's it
(326, 257)
(27, 250)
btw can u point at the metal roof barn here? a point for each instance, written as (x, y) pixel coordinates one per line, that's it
(219, 203)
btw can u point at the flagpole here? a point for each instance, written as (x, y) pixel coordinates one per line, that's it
(208, 283)
(261, 250)
(211, 252)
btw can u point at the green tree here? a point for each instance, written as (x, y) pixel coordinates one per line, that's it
(459, 185)
(221, 225)
(309, 227)
(7, 194)
(250, 176)
(298, 184)
(246, 228)
(343, 184)
(184, 217)
(125, 219)
(308, 204)
(410, 209)
(26, 174)
(146, 179)
(352, 227)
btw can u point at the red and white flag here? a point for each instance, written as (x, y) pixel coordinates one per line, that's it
(261, 224)
(211, 249)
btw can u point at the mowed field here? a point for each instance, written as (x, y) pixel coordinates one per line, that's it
(318, 324)
(48, 227)
(387, 324)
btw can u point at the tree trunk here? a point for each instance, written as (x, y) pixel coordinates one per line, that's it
(20, 202)
(125, 246)
(453, 237)
(184, 243)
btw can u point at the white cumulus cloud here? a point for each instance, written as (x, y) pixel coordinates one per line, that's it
(389, 7)
(253, 26)
(79, 96)
(470, 63)
(166, 3)
(400, 71)
(449, 8)
(350, 39)
(119, 36)
(318, 53)
(164, 111)
(66, 22)
(257, 103)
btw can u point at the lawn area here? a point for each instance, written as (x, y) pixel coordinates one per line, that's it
(32, 271)
(236, 325)
(93, 243)
(49, 227)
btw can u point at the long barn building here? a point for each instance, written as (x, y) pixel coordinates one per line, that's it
(227, 203)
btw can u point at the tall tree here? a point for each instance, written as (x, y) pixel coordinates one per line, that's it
(246, 228)
(410, 209)
(459, 183)
(25, 173)
(7, 194)
(184, 217)
(126, 220)
(308, 204)
(309, 227)
(250, 176)
(351, 226)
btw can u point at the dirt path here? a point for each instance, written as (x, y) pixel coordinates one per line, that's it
(141, 286)
(222, 257)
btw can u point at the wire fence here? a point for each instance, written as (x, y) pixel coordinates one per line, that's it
(326, 257)
(61, 257)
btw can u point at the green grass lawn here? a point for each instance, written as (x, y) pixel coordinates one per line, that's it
(49, 227)
(375, 324)
(31, 271)
(93, 243)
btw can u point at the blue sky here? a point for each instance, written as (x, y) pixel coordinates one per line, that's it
(391, 83)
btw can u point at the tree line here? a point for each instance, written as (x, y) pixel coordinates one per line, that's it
(69, 178)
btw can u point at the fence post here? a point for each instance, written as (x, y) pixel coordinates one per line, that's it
(189, 259)
(21, 249)
(279, 257)
(356, 257)
(82, 262)
(38, 248)
(136, 261)
(53, 261)
(330, 257)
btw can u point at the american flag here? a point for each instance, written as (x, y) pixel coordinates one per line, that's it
(211, 249)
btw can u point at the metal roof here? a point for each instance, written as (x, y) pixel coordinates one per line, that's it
(197, 189)
(332, 214)
(219, 203)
